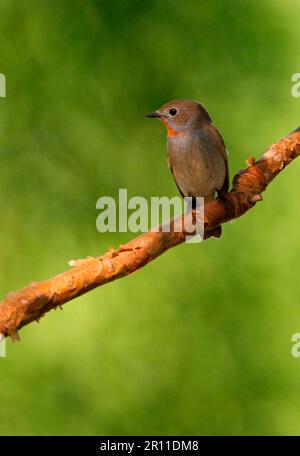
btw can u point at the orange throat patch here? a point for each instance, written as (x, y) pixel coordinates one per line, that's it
(170, 130)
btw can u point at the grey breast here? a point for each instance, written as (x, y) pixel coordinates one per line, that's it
(197, 164)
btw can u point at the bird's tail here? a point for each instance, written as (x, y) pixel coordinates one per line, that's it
(215, 232)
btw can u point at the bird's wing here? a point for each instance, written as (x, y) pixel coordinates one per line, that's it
(223, 151)
(170, 166)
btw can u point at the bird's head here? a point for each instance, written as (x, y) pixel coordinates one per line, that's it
(180, 115)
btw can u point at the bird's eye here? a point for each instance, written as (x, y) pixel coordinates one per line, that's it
(173, 112)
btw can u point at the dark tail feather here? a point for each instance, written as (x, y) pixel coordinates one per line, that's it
(215, 232)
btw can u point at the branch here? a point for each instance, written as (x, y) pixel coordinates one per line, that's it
(32, 302)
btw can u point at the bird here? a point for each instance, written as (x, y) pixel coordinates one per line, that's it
(196, 152)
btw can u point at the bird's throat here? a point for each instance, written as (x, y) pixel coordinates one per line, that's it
(170, 131)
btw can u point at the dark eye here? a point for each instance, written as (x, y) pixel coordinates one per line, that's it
(173, 112)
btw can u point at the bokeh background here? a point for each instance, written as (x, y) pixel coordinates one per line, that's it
(198, 342)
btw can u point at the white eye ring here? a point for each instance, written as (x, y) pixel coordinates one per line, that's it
(173, 112)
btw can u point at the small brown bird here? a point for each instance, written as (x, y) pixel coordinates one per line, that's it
(196, 151)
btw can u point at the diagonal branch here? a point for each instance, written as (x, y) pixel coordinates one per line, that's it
(32, 302)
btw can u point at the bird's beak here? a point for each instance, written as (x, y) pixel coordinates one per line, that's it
(154, 114)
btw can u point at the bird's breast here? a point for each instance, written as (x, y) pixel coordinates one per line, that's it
(198, 166)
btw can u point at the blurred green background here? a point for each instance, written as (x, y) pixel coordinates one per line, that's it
(198, 342)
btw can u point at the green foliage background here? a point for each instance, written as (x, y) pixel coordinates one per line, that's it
(199, 341)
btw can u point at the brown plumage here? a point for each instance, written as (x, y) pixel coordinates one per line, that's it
(196, 151)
